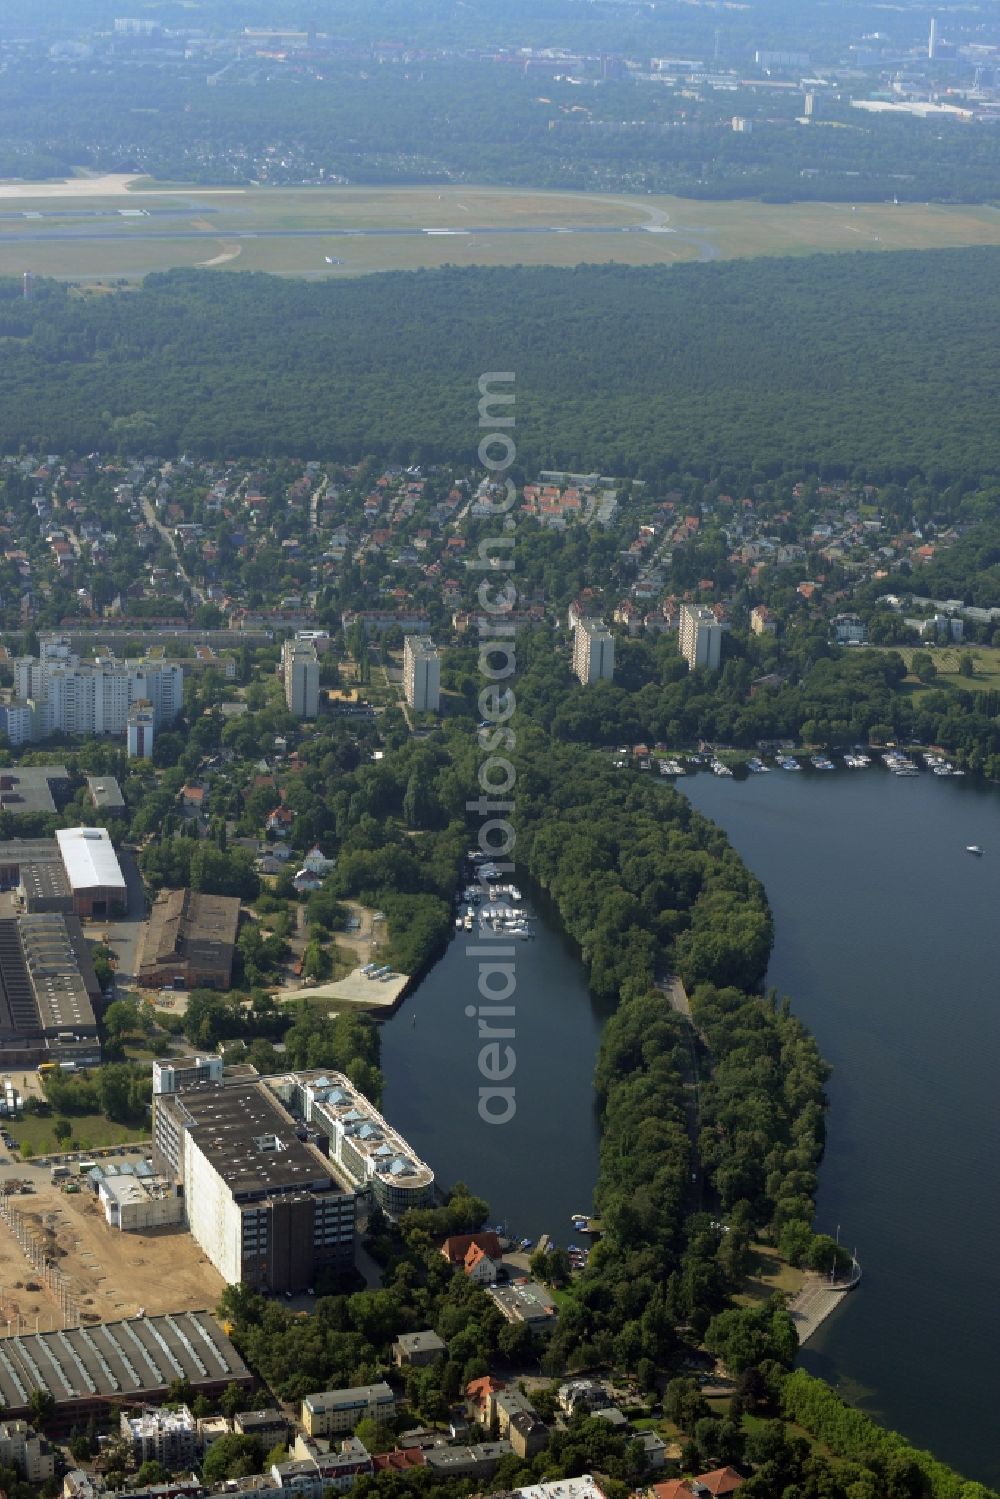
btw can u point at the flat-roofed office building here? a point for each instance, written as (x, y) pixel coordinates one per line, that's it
(261, 1199)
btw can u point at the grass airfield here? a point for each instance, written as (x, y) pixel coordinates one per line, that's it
(99, 229)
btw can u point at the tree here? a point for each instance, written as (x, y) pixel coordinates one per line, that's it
(151, 1472)
(80, 1445)
(923, 667)
(316, 961)
(966, 664)
(41, 1408)
(234, 1398)
(374, 1437)
(233, 1456)
(121, 1019)
(685, 1404)
(62, 1129)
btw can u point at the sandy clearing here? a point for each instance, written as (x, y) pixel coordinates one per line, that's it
(110, 185)
(224, 258)
(111, 1274)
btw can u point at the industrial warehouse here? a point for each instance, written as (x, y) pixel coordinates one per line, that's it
(87, 1370)
(190, 941)
(76, 872)
(48, 992)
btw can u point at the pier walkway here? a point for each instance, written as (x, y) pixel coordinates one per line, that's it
(817, 1299)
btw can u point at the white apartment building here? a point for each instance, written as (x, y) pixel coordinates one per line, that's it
(169, 1437)
(22, 1448)
(593, 652)
(59, 694)
(140, 731)
(422, 673)
(700, 639)
(300, 675)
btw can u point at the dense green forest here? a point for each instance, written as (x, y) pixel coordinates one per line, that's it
(876, 365)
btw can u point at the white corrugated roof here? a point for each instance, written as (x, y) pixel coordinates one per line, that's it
(89, 858)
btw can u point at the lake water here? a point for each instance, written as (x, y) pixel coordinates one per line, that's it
(887, 939)
(540, 1167)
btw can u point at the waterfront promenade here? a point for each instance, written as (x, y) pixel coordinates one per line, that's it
(819, 1297)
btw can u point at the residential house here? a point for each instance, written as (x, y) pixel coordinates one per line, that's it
(478, 1393)
(279, 822)
(518, 1421)
(457, 1246)
(417, 1348)
(762, 621)
(480, 1267)
(317, 862)
(582, 1394)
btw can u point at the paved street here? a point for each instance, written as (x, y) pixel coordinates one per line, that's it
(125, 935)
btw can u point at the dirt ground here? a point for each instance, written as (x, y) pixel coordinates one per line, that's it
(112, 1274)
(364, 942)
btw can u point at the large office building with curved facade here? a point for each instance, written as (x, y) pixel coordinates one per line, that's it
(367, 1149)
(271, 1170)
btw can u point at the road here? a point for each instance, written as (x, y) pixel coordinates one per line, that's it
(125, 935)
(151, 520)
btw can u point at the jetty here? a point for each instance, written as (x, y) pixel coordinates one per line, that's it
(818, 1298)
(356, 989)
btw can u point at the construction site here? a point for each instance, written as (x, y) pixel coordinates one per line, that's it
(61, 1265)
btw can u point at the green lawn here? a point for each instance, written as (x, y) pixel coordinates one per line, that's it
(768, 1274)
(946, 659)
(90, 1130)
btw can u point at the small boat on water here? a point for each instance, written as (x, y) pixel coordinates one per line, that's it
(973, 848)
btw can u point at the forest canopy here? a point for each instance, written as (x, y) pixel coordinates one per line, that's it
(879, 365)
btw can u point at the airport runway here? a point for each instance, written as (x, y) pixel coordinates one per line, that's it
(689, 234)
